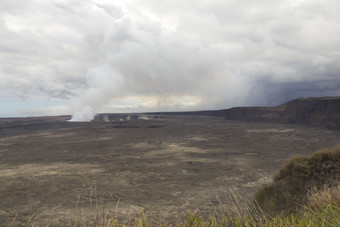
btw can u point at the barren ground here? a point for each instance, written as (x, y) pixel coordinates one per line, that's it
(55, 172)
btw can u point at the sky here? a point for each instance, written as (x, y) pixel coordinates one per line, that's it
(84, 57)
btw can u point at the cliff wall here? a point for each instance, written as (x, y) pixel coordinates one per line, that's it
(316, 112)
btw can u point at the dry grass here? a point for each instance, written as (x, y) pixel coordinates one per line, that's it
(233, 203)
(322, 198)
(322, 210)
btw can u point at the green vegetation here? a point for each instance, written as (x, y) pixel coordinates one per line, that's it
(329, 216)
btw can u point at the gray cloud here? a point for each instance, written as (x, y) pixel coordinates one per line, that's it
(152, 55)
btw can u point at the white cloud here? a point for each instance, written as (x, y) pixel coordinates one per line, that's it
(222, 53)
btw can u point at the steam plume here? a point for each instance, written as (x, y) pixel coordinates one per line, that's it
(102, 83)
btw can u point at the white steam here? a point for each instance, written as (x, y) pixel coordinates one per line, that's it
(142, 58)
(102, 83)
(86, 114)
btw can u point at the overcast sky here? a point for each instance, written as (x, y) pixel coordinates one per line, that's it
(89, 56)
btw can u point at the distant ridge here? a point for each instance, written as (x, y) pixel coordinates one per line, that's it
(321, 112)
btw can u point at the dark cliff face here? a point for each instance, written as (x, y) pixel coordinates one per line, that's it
(322, 112)
(317, 112)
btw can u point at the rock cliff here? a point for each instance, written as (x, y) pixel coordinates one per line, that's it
(316, 112)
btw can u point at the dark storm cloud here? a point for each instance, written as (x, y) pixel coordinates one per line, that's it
(170, 54)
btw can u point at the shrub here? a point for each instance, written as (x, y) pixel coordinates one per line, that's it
(301, 174)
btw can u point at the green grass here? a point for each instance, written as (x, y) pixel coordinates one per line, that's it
(329, 216)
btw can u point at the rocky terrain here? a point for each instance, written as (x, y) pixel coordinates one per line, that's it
(165, 164)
